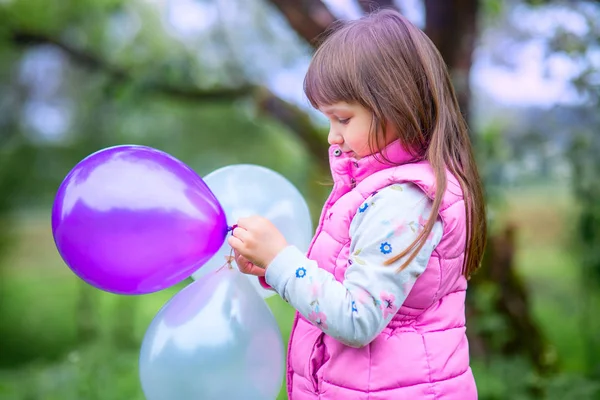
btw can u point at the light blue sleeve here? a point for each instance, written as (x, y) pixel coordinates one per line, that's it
(356, 310)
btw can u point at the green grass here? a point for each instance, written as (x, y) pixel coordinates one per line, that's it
(98, 371)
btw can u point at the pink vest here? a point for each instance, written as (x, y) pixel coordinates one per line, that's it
(423, 352)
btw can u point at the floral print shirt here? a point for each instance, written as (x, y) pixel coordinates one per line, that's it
(357, 309)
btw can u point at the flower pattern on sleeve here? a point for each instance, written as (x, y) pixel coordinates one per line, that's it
(319, 319)
(385, 248)
(387, 304)
(301, 272)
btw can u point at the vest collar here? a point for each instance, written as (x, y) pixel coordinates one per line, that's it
(347, 170)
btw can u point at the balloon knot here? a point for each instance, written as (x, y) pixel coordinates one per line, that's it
(229, 259)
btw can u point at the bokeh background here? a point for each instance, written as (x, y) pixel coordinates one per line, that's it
(219, 82)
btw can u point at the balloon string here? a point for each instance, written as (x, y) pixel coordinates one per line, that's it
(229, 259)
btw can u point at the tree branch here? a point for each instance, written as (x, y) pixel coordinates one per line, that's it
(309, 18)
(268, 103)
(120, 75)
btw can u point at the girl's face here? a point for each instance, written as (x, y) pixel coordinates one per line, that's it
(350, 128)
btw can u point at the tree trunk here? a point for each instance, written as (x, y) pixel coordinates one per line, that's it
(452, 26)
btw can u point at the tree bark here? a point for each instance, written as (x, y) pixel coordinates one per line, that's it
(309, 18)
(452, 26)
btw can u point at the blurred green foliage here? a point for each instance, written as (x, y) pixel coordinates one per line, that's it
(80, 75)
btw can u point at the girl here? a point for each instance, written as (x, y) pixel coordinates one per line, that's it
(380, 295)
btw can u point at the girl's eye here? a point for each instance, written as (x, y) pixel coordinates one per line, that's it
(344, 121)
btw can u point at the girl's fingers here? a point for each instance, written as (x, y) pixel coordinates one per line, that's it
(235, 243)
(240, 233)
(252, 269)
(247, 267)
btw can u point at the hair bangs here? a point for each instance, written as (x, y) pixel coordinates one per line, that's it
(332, 73)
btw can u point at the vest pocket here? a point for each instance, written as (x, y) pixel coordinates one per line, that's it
(308, 353)
(318, 357)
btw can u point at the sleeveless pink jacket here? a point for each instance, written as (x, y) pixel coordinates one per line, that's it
(423, 352)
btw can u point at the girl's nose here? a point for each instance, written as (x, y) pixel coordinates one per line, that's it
(334, 138)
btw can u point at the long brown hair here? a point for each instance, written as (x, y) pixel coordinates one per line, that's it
(389, 66)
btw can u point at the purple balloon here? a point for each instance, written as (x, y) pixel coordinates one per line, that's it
(135, 220)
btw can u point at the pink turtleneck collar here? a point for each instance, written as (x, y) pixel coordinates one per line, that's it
(348, 170)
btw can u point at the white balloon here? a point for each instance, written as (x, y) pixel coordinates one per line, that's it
(245, 190)
(215, 339)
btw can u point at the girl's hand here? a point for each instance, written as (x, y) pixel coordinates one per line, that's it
(258, 241)
(246, 266)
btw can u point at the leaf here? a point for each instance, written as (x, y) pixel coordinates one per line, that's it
(412, 226)
(360, 261)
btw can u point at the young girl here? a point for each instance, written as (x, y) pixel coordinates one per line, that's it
(381, 294)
